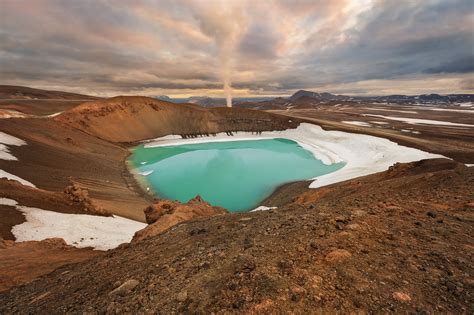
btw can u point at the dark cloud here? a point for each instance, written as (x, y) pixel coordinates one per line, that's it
(272, 47)
(259, 42)
(461, 65)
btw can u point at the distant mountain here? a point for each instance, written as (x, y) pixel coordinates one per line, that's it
(420, 99)
(319, 96)
(163, 98)
(207, 101)
(427, 98)
(27, 93)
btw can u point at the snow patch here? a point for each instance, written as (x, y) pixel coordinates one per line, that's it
(363, 154)
(465, 111)
(415, 121)
(262, 208)
(54, 115)
(357, 123)
(392, 110)
(4, 174)
(78, 230)
(8, 113)
(8, 202)
(5, 141)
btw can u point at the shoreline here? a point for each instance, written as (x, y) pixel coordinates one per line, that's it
(136, 181)
(363, 154)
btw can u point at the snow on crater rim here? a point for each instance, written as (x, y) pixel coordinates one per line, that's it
(363, 154)
(78, 230)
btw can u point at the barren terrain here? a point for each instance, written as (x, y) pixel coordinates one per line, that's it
(401, 240)
(396, 241)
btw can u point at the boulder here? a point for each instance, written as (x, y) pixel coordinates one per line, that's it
(80, 195)
(338, 255)
(164, 214)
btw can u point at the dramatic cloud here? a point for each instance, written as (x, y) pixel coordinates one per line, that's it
(186, 47)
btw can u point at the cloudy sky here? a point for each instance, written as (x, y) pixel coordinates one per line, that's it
(183, 48)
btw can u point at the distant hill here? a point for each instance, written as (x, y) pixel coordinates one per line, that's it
(163, 98)
(319, 96)
(310, 99)
(27, 93)
(428, 98)
(424, 98)
(207, 101)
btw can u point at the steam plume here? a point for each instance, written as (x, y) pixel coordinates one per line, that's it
(228, 93)
(223, 21)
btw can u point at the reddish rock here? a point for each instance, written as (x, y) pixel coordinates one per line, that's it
(338, 255)
(80, 195)
(401, 297)
(164, 214)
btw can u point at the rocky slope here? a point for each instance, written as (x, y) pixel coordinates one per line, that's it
(25, 261)
(129, 119)
(57, 156)
(397, 241)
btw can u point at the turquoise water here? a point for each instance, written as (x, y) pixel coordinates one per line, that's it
(236, 175)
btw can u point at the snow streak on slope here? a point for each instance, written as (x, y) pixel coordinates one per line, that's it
(5, 154)
(78, 230)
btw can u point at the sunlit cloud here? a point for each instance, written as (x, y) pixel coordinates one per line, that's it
(191, 47)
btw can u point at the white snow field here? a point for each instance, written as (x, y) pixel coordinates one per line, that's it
(356, 123)
(415, 121)
(362, 154)
(392, 110)
(78, 230)
(5, 141)
(464, 111)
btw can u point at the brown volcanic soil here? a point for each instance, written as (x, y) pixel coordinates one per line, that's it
(23, 92)
(39, 107)
(17, 259)
(134, 118)
(39, 102)
(397, 241)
